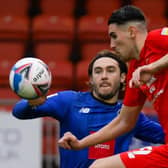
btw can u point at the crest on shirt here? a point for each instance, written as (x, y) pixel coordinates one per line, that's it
(164, 31)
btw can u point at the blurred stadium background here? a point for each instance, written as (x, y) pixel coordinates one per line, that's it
(65, 34)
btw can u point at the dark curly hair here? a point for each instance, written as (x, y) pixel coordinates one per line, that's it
(109, 54)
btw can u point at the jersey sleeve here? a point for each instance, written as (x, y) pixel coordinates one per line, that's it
(149, 130)
(133, 96)
(55, 106)
(156, 44)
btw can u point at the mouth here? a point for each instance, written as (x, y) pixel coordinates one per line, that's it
(105, 85)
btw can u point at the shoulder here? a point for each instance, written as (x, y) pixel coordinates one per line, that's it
(69, 95)
(157, 37)
(63, 93)
(154, 33)
(64, 96)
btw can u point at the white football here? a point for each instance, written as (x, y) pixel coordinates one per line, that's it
(30, 78)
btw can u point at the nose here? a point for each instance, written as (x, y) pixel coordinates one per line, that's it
(104, 75)
(112, 45)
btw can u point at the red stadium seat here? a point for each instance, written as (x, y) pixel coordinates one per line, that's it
(14, 8)
(53, 27)
(57, 7)
(94, 24)
(53, 33)
(154, 11)
(56, 55)
(56, 20)
(89, 50)
(92, 28)
(13, 28)
(101, 7)
(14, 21)
(10, 52)
(14, 33)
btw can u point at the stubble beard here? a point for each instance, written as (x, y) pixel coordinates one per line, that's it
(106, 96)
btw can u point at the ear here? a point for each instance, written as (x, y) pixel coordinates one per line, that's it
(90, 80)
(123, 77)
(132, 31)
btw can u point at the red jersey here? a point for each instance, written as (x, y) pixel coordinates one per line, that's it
(156, 90)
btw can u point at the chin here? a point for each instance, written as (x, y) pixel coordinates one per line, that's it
(105, 93)
(106, 96)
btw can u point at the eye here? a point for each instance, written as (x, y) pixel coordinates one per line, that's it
(97, 71)
(113, 35)
(111, 70)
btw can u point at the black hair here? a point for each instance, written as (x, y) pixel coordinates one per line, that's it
(125, 14)
(109, 54)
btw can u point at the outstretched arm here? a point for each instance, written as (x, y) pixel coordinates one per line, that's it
(24, 109)
(123, 123)
(144, 73)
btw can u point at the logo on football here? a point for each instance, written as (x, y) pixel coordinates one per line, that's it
(30, 78)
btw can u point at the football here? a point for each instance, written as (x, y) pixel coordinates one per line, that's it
(30, 78)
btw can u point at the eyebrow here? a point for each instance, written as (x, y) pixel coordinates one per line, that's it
(109, 66)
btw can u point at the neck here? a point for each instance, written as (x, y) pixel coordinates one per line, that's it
(141, 37)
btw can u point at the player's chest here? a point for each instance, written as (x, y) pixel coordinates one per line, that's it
(92, 118)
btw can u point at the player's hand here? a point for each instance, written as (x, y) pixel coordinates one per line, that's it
(69, 141)
(38, 101)
(140, 76)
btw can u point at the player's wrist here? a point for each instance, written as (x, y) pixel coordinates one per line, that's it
(81, 145)
(37, 102)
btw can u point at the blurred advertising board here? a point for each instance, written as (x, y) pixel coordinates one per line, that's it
(20, 142)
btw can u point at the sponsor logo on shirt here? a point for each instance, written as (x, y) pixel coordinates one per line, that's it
(84, 110)
(158, 94)
(101, 150)
(164, 31)
(102, 146)
(151, 81)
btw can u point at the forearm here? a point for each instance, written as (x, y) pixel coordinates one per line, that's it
(26, 109)
(123, 123)
(22, 110)
(111, 131)
(159, 64)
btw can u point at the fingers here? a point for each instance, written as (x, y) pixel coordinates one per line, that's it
(64, 144)
(135, 80)
(65, 141)
(131, 84)
(140, 76)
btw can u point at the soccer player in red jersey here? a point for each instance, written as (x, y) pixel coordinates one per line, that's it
(147, 54)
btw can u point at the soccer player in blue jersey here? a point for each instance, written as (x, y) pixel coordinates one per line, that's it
(83, 113)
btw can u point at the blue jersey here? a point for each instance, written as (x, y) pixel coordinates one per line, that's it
(82, 114)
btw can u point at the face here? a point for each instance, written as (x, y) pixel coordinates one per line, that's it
(106, 79)
(122, 41)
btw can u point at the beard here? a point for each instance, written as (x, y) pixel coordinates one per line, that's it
(106, 96)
